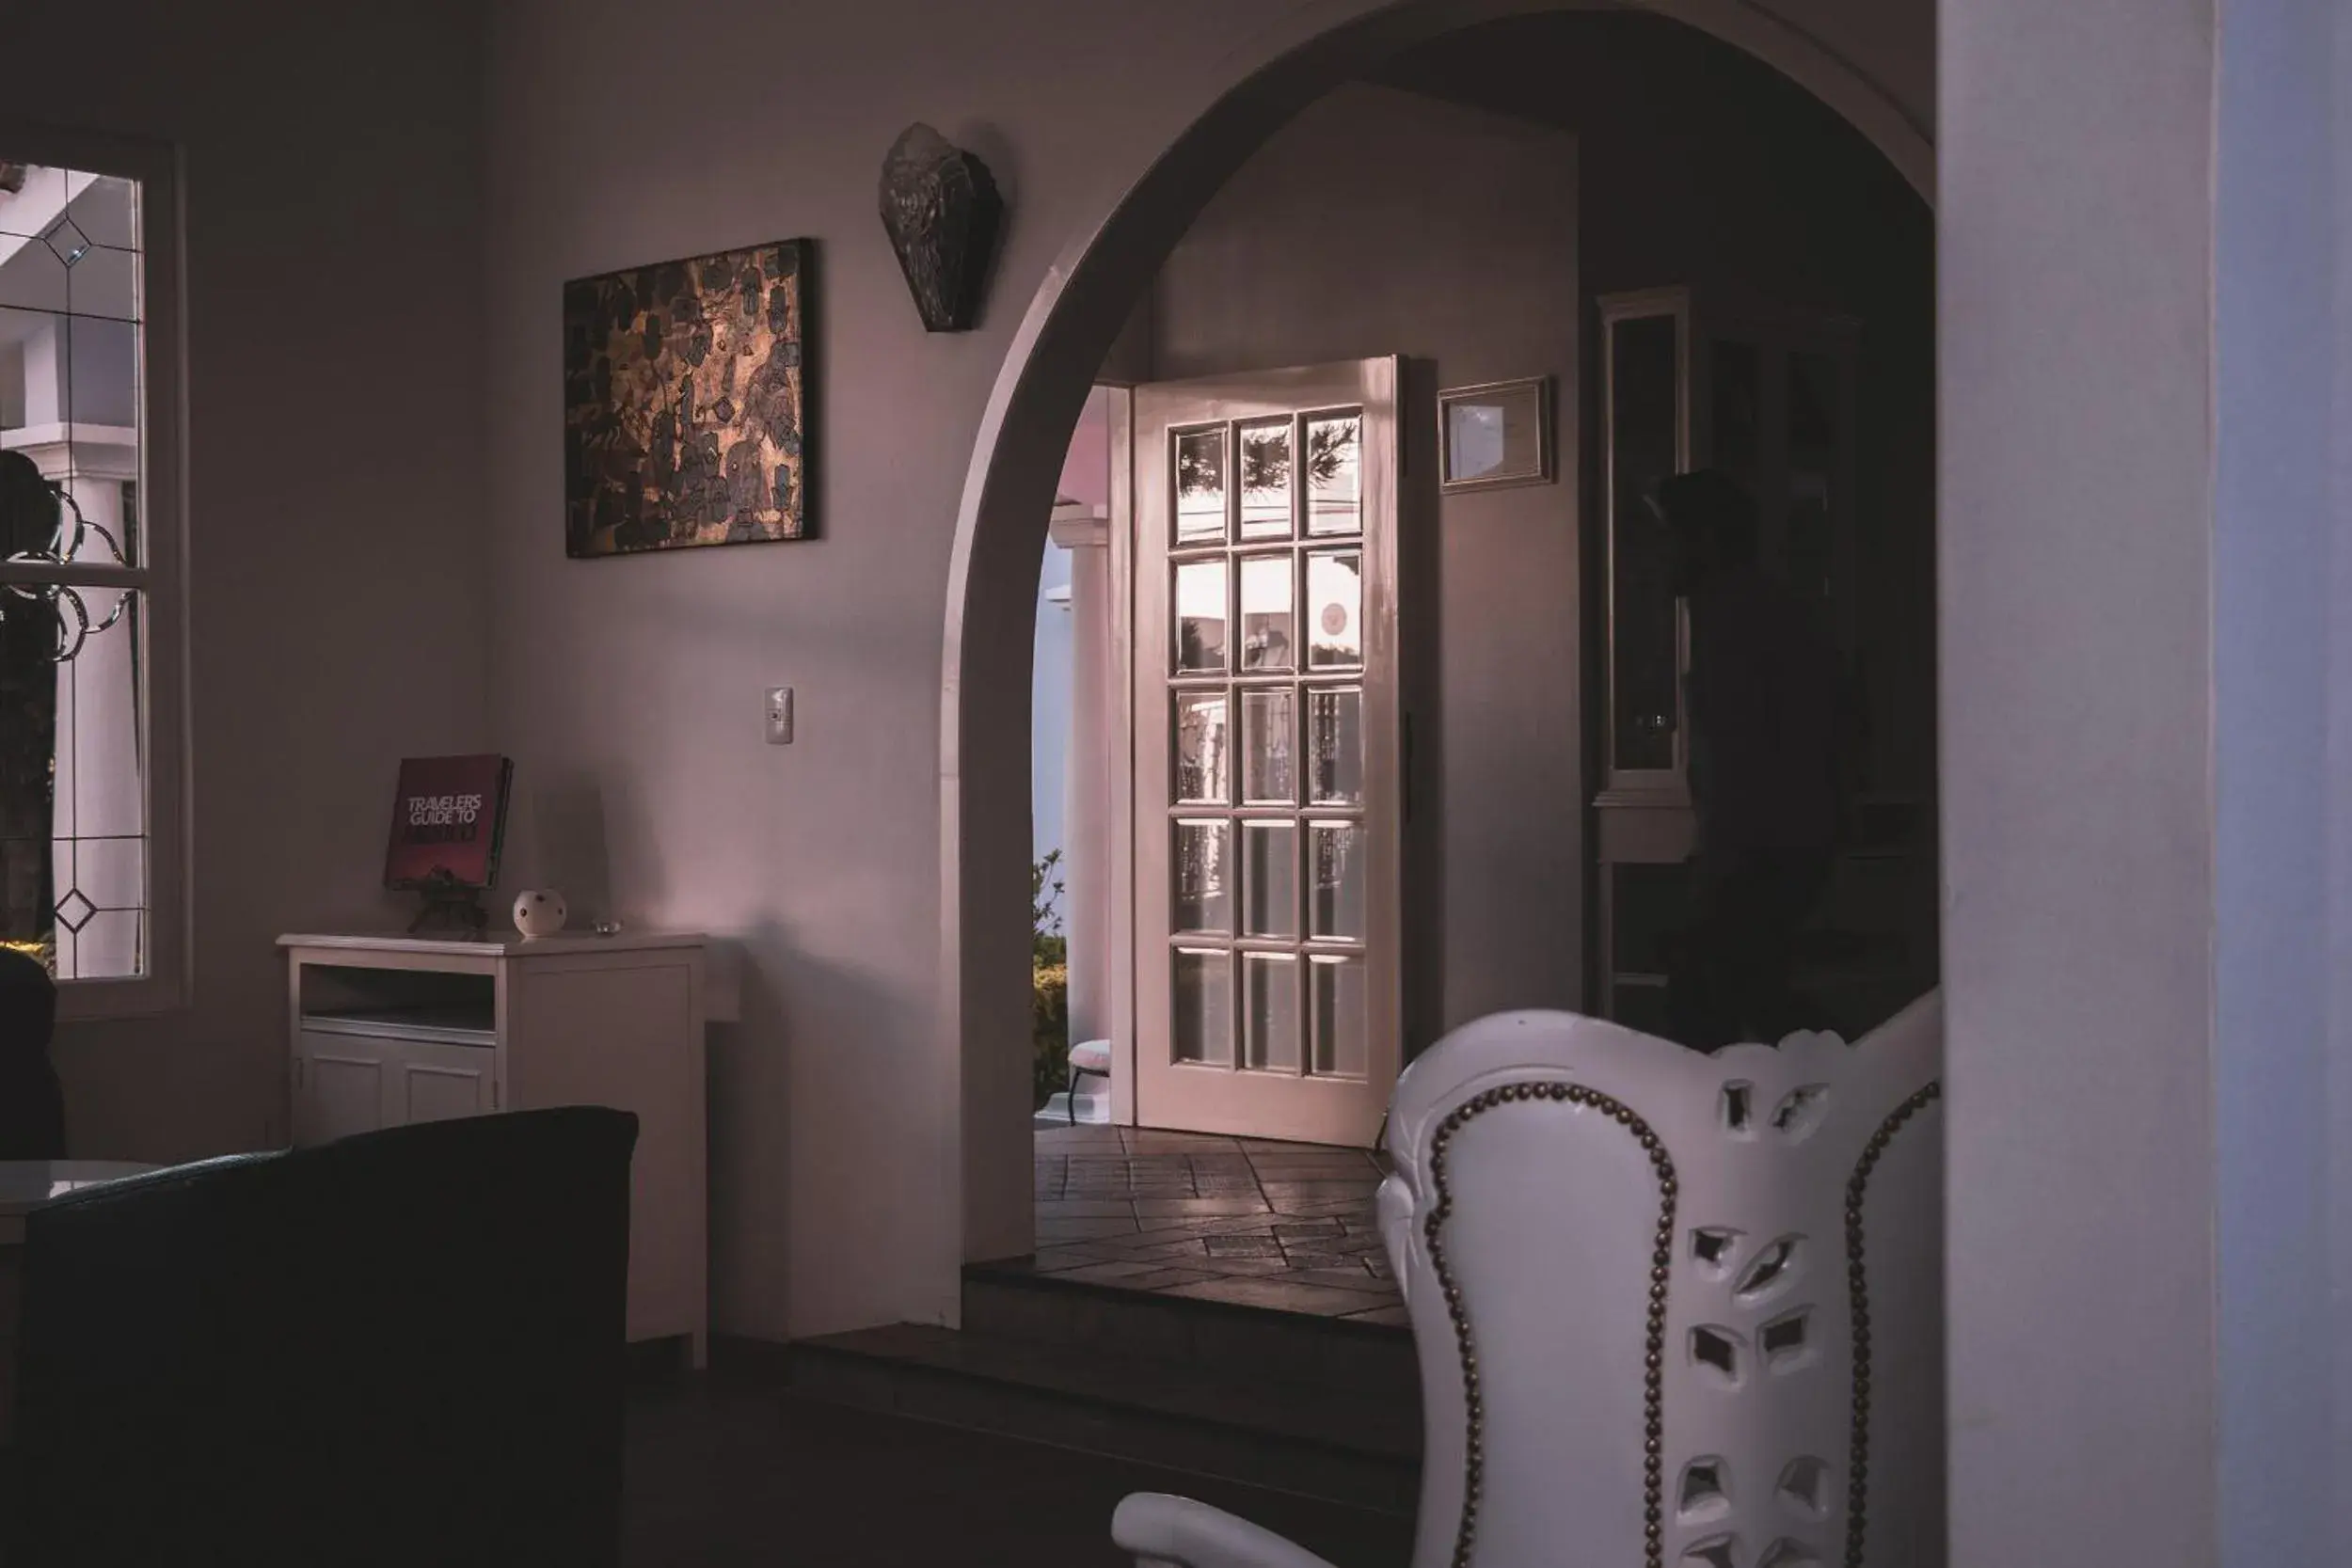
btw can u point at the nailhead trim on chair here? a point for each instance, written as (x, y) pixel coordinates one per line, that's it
(1858, 1290)
(1654, 1362)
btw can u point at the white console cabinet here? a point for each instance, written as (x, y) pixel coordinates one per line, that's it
(390, 1030)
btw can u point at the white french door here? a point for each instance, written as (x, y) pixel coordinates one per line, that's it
(1268, 788)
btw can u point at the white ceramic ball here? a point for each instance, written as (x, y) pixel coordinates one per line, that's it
(540, 913)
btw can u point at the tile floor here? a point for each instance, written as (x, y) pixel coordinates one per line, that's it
(1287, 1226)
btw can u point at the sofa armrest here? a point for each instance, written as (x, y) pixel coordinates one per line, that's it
(1177, 1533)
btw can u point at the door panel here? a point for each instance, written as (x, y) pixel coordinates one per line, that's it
(1266, 798)
(347, 1083)
(438, 1090)
(339, 1089)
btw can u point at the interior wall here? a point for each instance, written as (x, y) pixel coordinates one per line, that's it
(630, 688)
(1385, 222)
(1701, 165)
(336, 567)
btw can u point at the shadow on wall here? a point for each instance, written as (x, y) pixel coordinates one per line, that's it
(794, 1005)
(995, 147)
(749, 1090)
(572, 855)
(569, 834)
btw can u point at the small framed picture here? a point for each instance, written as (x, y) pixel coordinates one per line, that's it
(1496, 435)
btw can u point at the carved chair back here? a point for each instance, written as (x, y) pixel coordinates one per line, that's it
(1675, 1309)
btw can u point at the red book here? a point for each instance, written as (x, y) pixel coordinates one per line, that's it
(449, 815)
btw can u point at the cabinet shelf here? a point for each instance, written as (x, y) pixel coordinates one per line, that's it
(433, 1025)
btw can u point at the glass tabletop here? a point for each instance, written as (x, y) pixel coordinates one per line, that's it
(27, 1184)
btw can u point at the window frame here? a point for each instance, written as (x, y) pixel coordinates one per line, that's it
(161, 573)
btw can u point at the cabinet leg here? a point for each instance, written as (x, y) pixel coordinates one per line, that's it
(698, 1349)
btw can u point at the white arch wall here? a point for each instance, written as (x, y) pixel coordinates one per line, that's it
(1070, 321)
(633, 685)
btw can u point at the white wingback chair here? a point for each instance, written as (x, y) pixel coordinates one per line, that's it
(1671, 1309)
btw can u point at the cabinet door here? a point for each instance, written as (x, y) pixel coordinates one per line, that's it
(339, 1089)
(435, 1083)
(347, 1083)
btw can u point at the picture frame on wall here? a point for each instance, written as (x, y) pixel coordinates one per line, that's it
(686, 410)
(1495, 434)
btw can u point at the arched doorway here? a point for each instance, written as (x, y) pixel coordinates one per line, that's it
(1002, 520)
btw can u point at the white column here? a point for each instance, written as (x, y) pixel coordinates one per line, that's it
(1088, 774)
(2146, 692)
(2281, 551)
(2074, 586)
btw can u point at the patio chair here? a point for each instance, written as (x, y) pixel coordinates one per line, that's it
(1089, 1058)
(1671, 1308)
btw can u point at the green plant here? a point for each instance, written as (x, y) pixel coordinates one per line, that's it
(1328, 448)
(1049, 1018)
(1049, 982)
(1265, 455)
(1047, 945)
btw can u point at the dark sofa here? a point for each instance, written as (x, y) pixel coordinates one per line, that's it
(406, 1347)
(32, 1108)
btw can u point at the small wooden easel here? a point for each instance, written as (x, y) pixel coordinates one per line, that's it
(451, 903)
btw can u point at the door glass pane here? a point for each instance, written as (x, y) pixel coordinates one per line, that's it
(88, 680)
(1339, 1017)
(1200, 616)
(75, 859)
(1336, 855)
(1265, 758)
(1335, 600)
(1203, 1006)
(1335, 742)
(1269, 878)
(1265, 480)
(34, 280)
(1204, 901)
(1644, 430)
(108, 211)
(1269, 1014)
(1201, 747)
(1265, 612)
(1200, 486)
(1334, 491)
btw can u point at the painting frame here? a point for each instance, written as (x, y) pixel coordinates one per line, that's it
(1522, 415)
(687, 406)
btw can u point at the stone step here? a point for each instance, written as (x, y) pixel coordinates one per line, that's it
(1360, 1449)
(1357, 1361)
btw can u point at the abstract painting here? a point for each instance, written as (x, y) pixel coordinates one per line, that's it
(685, 408)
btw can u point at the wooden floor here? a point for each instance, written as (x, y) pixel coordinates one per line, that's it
(726, 1476)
